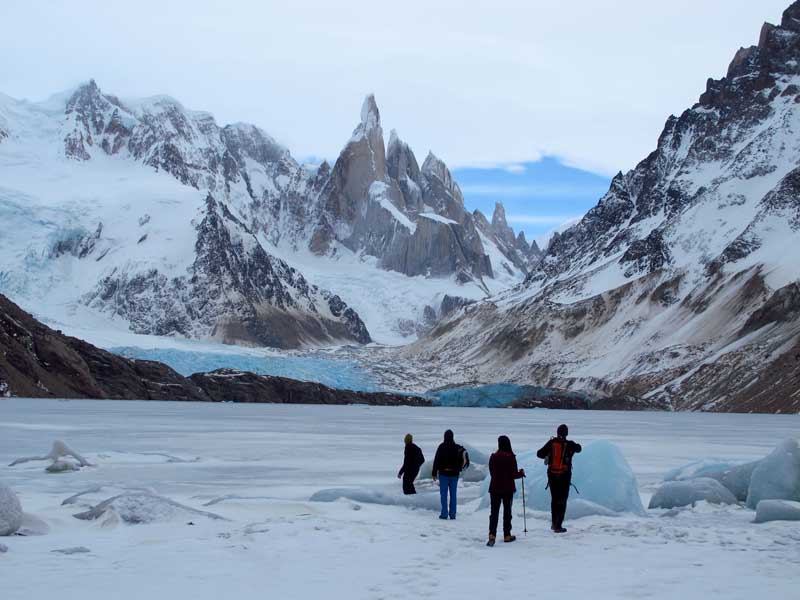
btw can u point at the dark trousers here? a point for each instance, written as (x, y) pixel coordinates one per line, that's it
(559, 492)
(408, 483)
(494, 515)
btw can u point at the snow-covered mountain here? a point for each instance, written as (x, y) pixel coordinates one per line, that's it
(161, 220)
(681, 285)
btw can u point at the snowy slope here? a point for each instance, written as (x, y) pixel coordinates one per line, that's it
(681, 284)
(104, 202)
(135, 242)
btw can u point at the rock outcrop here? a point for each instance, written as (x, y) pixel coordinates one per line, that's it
(379, 201)
(233, 292)
(38, 362)
(678, 287)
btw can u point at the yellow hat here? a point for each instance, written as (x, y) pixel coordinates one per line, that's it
(409, 438)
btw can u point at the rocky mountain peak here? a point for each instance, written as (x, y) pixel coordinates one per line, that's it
(791, 17)
(370, 115)
(500, 225)
(433, 166)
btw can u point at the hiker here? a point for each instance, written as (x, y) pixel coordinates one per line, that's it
(448, 463)
(503, 471)
(413, 459)
(557, 454)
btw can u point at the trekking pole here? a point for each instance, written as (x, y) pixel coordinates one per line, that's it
(524, 512)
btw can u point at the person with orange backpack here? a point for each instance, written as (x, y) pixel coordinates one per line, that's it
(557, 454)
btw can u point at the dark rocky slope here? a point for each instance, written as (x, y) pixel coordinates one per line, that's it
(39, 362)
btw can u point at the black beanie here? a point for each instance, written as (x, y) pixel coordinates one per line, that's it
(448, 435)
(562, 431)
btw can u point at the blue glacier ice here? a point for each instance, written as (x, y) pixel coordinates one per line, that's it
(328, 371)
(600, 472)
(494, 395)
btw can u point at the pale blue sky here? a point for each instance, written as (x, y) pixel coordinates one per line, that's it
(498, 83)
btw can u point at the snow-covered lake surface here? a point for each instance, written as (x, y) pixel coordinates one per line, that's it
(277, 544)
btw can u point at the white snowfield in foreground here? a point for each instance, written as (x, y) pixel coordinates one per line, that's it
(174, 467)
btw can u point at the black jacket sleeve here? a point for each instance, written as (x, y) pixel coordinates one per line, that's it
(420, 457)
(436, 461)
(576, 447)
(544, 451)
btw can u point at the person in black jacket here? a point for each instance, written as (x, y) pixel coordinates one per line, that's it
(503, 471)
(448, 463)
(557, 454)
(413, 459)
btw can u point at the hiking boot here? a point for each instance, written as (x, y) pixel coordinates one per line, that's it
(492, 538)
(560, 530)
(443, 517)
(509, 538)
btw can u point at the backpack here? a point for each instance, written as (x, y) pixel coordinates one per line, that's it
(558, 461)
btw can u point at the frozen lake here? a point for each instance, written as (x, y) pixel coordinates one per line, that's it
(277, 544)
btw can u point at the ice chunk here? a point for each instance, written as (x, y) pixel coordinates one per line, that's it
(600, 472)
(777, 510)
(683, 493)
(63, 466)
(3, 549)
(475, 473)
(698, 468)
(735, 477)
(141, 507)
(578, 509)
(59, 451)
(427, 501)
(777, 477)
(476, 456)
(10, 511)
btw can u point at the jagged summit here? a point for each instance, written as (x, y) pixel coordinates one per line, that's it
(370, 115)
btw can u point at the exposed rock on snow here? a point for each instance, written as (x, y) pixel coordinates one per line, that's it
(777, 510)
(684, 493)
(776, 477)
(139, 507)
(57, 454)
(11, 515)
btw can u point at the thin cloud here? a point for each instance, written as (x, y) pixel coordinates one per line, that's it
(542, 219)
(556, 190)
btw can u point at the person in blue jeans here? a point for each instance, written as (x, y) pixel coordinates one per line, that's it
(448, 463)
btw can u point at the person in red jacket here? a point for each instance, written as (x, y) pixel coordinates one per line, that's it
(503, 471)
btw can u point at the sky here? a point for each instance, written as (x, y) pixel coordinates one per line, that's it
(493, 86)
